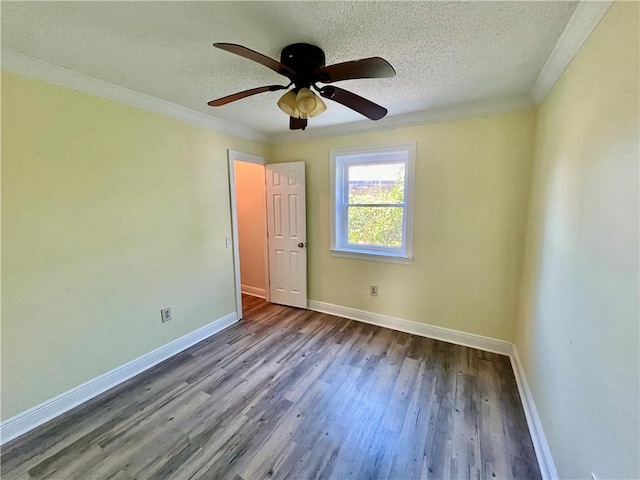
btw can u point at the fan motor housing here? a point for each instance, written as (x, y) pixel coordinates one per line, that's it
(303, 59)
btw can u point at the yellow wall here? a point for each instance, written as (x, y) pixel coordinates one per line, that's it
(252, 223)
(578, 333)
(109, 213)
(472, 186)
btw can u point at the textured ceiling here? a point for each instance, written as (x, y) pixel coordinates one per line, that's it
(444, 53)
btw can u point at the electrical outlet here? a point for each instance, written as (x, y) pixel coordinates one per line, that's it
(165, 314)
(373, 290)
(227, 242)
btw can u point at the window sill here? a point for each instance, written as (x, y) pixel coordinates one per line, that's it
(372, 257)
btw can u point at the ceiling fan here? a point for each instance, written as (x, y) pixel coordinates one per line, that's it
(304, 66)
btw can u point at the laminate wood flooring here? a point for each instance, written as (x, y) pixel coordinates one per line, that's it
(290, 393)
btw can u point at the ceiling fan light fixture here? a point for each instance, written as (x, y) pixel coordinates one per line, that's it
(304, 66)
(290, 105)
(287, 104)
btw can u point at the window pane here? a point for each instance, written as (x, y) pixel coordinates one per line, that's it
(377, 183)
(380, 226)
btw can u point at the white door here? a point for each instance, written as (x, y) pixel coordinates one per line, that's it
(287, 233)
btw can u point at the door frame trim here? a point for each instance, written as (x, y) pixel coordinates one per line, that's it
(232, 156)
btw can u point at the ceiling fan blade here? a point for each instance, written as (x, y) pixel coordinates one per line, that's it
(247, 93)
(257, 57)
(355, 102)
(374, 67)
(297, 123)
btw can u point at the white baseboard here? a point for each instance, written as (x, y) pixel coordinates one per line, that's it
(253, 291)
(540, 445)
(31, 418)
(439, 333)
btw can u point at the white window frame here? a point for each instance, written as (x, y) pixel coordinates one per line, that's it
(340, 161)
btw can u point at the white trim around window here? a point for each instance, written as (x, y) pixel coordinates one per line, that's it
(341, 161)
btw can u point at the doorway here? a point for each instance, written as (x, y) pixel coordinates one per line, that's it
(249, 224)
(268, 219)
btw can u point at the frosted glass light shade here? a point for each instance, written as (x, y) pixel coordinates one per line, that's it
(287, 104)
(320, 107)
(306, 101)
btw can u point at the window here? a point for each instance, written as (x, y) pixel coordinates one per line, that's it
(372, 199)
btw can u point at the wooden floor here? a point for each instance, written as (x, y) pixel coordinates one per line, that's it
(290, 393)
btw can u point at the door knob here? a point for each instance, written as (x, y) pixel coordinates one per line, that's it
(302, 245)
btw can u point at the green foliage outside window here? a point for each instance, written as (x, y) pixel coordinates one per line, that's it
(380, 226)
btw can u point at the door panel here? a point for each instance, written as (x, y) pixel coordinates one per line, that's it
(287, 231)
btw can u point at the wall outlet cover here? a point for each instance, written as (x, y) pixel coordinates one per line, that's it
(165, 314)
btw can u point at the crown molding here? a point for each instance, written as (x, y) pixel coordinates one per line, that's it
(585, 18)
(41, 70)
(454, 112)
